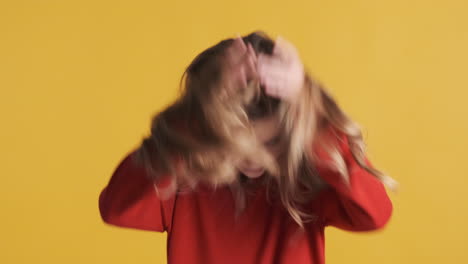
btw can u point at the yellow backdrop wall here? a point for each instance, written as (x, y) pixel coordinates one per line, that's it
(80, 81)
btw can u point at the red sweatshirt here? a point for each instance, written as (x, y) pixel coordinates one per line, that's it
(202, 229)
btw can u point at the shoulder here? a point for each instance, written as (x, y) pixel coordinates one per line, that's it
(329, 141)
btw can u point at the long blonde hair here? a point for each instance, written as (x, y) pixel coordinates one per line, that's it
(198, 137)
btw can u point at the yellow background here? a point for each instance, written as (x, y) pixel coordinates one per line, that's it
(80, 81)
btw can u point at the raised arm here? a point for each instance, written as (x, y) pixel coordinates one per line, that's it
(362, 206)
(130, 199)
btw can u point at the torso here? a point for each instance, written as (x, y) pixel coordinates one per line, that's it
(204, 230)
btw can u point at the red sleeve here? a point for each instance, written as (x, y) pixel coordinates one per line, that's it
(130, 199)
(362, 206)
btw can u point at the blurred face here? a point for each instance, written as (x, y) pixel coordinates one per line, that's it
(267, 131)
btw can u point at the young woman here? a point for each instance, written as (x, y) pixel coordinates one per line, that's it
(250, 164)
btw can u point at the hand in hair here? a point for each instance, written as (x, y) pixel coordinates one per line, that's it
(282, 73)
(239, 65)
